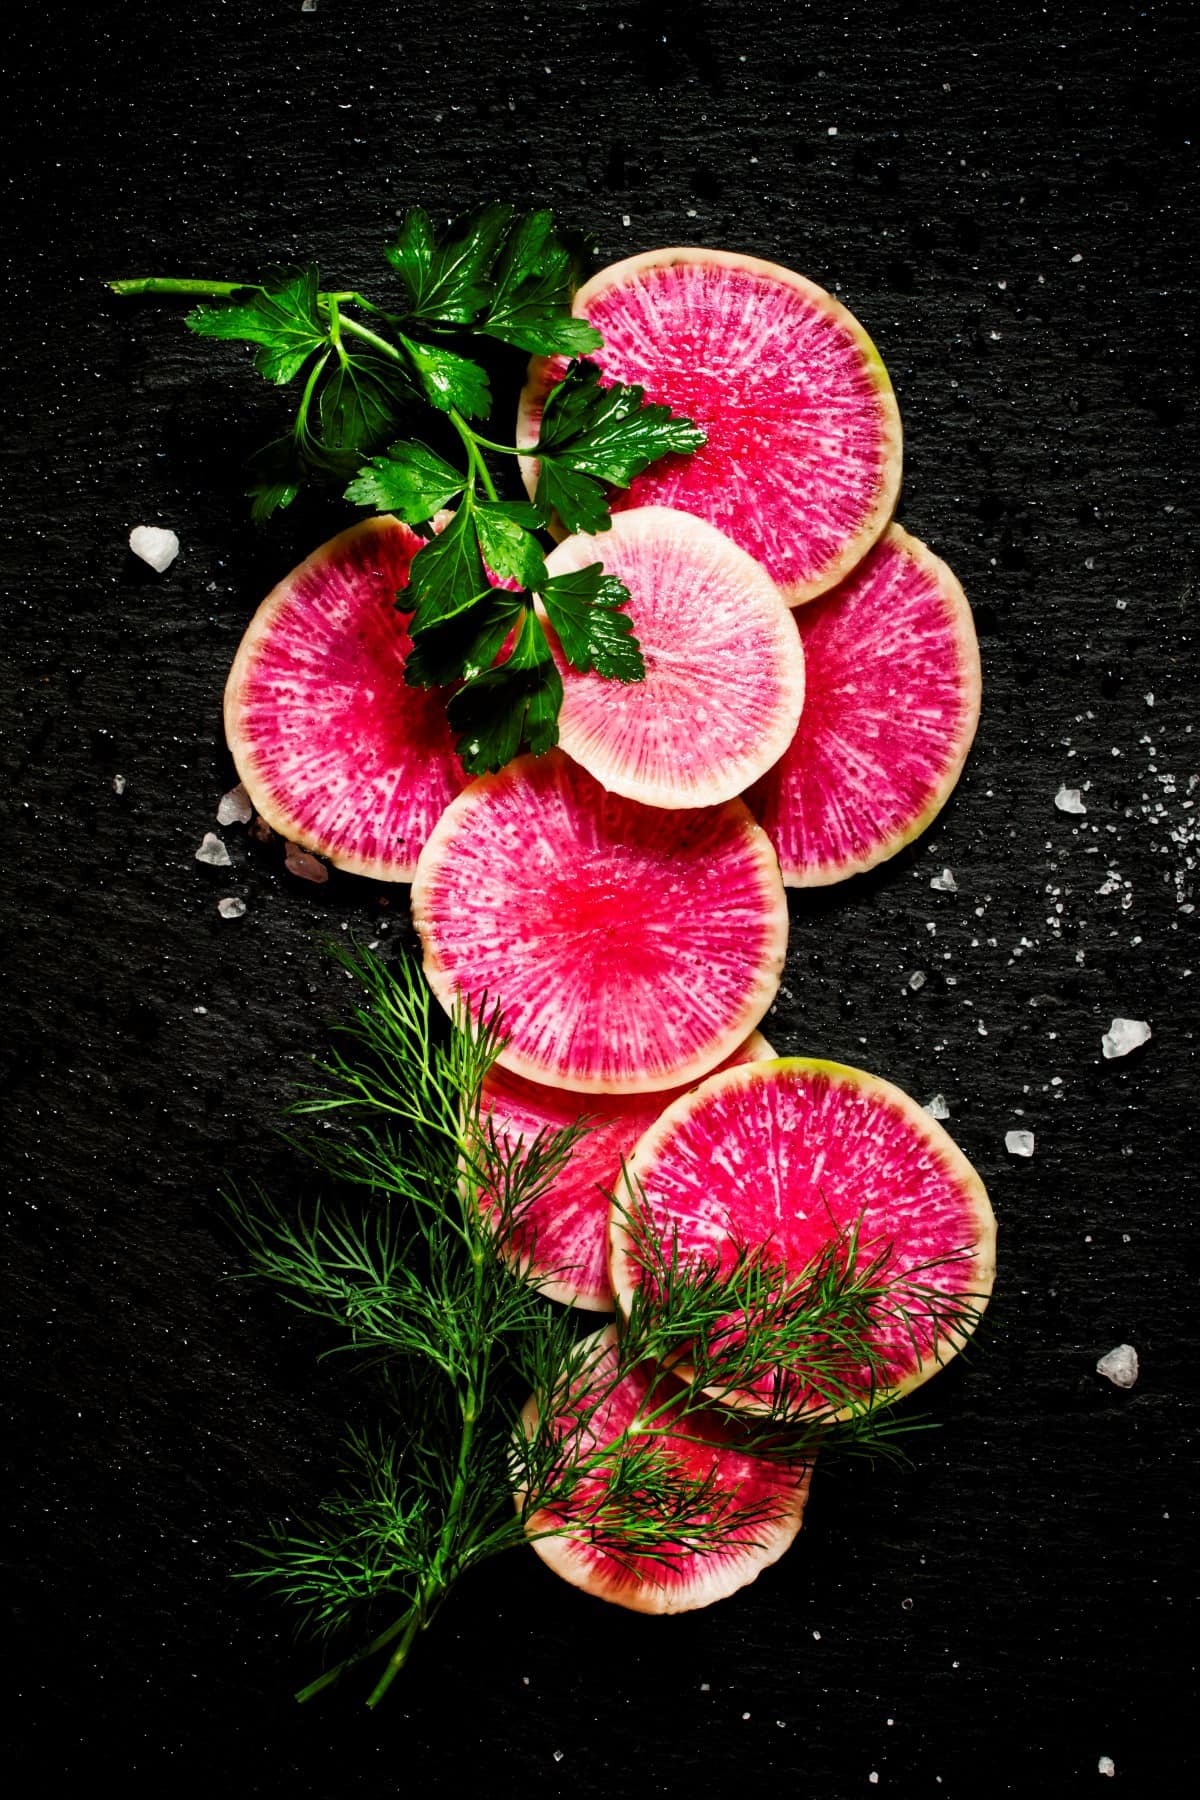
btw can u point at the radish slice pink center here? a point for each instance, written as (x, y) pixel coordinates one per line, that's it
(891, 710)
(625, 947)
(784, 1156)
(770, 1495)
(724, 678)
(335, 751)
(802, 463)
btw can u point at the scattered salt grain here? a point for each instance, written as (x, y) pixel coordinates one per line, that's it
(937, 1108)
(298, 862)
(1124, 1035)
(119, 784)
(1019, 1143)
(308, 5)
(155, 545)
(234, 808)
(213, 851)
(231, 908)
(1069, 800)
(945, 882)
(916, 979)
(1106, 1766)
(873, 1777)
(1120, 1366)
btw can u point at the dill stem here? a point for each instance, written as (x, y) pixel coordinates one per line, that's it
(420, 1614)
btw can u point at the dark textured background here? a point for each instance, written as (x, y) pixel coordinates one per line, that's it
(1004, 195)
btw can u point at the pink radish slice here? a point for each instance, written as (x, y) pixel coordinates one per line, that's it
(802, 463)
(788, 1154)
(724, 668)
(334, 751)
(626, 948)
(561, 1240)
(890, 714)
(770, 1496)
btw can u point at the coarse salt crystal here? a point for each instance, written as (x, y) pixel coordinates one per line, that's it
(155, 545)
(231, 907)
(1120, 1366)
(1124, 1035)
(1106, 1766)
(1069, 800)
(1019, 1143)
(945, 882)
(298, 862)
(937, 1108)
(234, 808)
(213, 851)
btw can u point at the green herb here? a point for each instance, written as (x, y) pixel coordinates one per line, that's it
(454, 1339)
(362, 371)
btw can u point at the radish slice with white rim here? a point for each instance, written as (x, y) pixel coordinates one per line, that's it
(890, 714)
(724, 683)
(335, 752)
(769, 1493)
(782, 1158)
(626, 948)
(803, 455)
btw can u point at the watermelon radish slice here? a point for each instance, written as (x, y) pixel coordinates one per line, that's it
(891, 711)
(561, 1241)
(334, 751)
(724, 678)
(769, 1495)
(625, 947)
(802, 461)
(788, 1155)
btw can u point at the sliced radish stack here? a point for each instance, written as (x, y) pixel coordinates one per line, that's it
(802, 463)
(627, 948)
(789, 1154)
(770, 1495)
(561, 1239)
(890, 714)
(724, 679)
(334, 751)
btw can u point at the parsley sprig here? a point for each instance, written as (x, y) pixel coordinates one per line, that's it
(362, 371)
(408, 1281)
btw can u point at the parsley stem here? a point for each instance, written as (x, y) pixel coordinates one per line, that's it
(503, 449)
(159, 284)
(479, 469)
(370, 337)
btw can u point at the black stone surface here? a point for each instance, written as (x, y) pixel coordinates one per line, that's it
(1005, 196)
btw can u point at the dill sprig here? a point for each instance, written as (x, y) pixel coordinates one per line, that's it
(805, 1349)
(405, 1272)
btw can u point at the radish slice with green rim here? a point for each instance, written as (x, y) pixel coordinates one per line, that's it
(626, 948)
(724, 683)
(769, 1493)
(561, 1240)
(335, 752)
(803, 458)
(891, 709)
(784, 1156)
